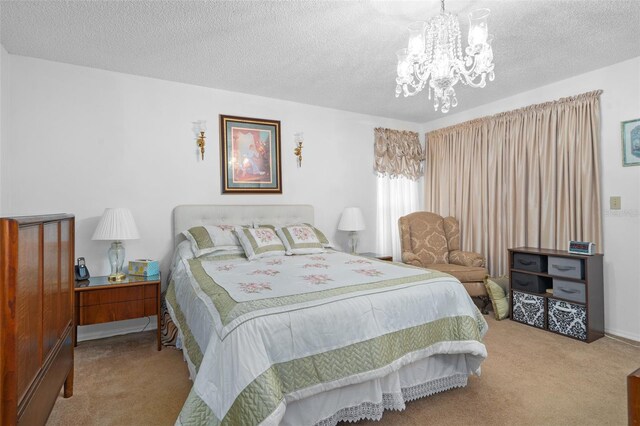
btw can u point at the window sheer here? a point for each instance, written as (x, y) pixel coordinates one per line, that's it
(398, 163)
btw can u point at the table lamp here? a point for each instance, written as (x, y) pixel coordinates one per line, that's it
(116, 224)
(352, 221)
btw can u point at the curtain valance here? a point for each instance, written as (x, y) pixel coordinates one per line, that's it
(398, 153)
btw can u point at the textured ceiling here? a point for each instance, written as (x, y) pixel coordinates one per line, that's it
(337, 54)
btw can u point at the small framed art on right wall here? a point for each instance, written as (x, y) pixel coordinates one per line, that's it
(631, 142)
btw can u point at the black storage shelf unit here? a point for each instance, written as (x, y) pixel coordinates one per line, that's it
(574, 305)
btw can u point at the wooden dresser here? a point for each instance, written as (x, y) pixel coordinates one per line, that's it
(36, 315)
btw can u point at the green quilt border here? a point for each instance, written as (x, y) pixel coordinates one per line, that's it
(262, 396)
(188, 340)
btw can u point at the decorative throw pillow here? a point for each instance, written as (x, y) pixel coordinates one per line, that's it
(259, 242)
(321, 237)
(498, 297)
(212, 238)
(300, 239)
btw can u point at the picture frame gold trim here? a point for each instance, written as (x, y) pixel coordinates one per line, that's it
(250, 160)
(630, 130)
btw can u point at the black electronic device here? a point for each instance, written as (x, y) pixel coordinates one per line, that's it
(82, 273)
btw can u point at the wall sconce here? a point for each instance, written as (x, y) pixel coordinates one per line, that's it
(297, 151)
(200, 127)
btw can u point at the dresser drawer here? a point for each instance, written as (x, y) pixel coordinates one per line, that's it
(570, 290)
(567, 318)
(566, 267)
(528, 309)
(530, 262)
(530, 282)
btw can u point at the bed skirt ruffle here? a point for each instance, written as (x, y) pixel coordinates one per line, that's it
(394, 401)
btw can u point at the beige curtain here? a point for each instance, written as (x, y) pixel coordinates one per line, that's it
(528, 177)
(397, 153)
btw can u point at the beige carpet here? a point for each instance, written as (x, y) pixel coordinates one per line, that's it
(531, 377)
(124, 380)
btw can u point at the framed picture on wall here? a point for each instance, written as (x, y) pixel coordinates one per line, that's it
(250, 155)
(631, 142)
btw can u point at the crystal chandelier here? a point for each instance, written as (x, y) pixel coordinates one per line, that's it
(434, 55)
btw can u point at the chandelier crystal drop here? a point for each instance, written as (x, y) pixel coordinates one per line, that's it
(434, 56)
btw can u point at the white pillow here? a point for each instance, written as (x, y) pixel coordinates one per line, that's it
(212, 238)
(259, 242)
(300, 239)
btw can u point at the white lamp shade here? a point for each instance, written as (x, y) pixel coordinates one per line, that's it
(351, 220)
(116, 224)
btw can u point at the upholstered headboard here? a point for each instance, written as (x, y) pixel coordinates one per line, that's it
(186, 216)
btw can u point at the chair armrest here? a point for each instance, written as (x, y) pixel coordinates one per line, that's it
(466, 258)
(411, 259)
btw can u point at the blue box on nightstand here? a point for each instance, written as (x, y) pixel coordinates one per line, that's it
(143, 267)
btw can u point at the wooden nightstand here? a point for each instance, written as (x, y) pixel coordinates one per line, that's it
(377, 256)
(97, 300)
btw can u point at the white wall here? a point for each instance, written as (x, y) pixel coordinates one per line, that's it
(2, 111)
(3, 54)
(83, 139)
(4, 98)
(620, 101)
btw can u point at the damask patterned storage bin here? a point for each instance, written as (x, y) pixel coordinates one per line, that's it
(528, 309)
(567, 318)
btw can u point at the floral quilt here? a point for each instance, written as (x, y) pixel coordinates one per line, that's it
(303, 274)
(288, 327)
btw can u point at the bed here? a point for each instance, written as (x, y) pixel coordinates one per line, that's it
(311, 339)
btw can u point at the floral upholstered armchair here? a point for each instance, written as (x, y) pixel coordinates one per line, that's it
(430, 241)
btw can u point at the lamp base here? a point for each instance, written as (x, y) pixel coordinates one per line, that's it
(116, 259)
(116, 277)
(353, 242)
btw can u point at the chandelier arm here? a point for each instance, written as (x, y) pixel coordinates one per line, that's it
(405, 88)
(422, 75)
(470, 75)
(417, 82)
(471, 81)
(416, 88)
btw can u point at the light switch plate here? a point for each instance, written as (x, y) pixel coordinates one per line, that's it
(615, 203)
